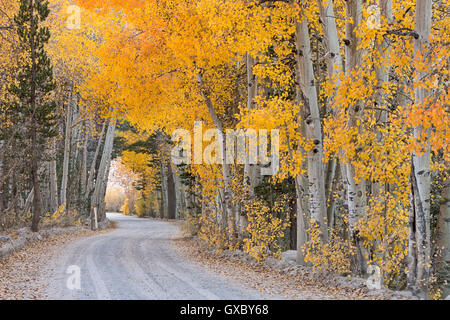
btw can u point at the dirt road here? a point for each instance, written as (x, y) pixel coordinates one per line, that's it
(136, 261)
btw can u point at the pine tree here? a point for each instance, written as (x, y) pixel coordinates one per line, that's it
(34, 87)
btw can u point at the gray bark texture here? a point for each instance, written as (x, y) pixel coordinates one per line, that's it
(65, 175)
(101, 179)
(420, 169)
(307, 96)
(356, 187)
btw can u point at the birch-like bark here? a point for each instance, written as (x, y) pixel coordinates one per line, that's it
(89, 183)
(420, 171)
(75, 135)
(53, 180)
(334, 67)
(333, 54)
(382, 71)
(68, 135)
(251, 172)
(28, 202)
(301, 227)
(104, 187)
(411, 274)
(356, 192)
(382, 76)
(331, 199)
(103, 168)
(83, 169)
(300, 210)
(307, 95)
(227, 194)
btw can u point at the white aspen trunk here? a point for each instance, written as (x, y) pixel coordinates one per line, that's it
(65, 174)
(356, 192)
(411, 274)
(300, 210)
(53, 180)
(330, 197)
(333, 54)
(382, 76)
(104, 187)
(378, 188)
(301, 228)
(420, 171)
(83, 173)
(95, 227)
(334, 67)
(251, 172)
(28, 201)
(75, 135)
(89, 183)
(179, 192)
(227, 194)
(164, 202)
(307, 95)
(104, 163)
(382, 71)
(329, 181)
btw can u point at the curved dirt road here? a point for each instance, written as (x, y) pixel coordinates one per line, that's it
(137, 261)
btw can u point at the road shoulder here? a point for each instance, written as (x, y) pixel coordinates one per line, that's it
(24, 273)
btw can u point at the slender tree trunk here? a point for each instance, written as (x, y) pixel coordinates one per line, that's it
(331, 201)
(300, 210)
(356, 191)
(104, 187)
(420, 171)
(164, 201)
(412, 252)
(65, 173)
(179, 193)
(251, 172)
(333, 55)
(334, 67)
(28, 202)
(171, 195)
(443, 239)
(83, 173)
(226, 174)
(53, 180)
(329, 182)
(382, 71)
(307, 95)
(103, 169)
(89, 183)
(2, 170)
(75, 134)
(301, 228)
(382, 76)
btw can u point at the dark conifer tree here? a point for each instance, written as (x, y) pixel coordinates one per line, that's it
(34, 88)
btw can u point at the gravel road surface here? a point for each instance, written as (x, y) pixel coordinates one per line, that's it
(136, 261)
